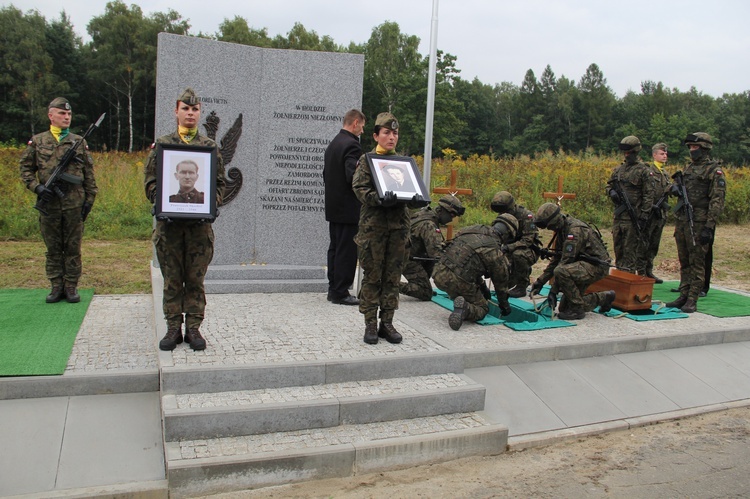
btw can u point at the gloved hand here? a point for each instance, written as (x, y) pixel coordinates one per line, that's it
(552, 300)
(643, 221)
(706, 236)
(417, 201)
(389, 199)
(614, 196)
(674, 190)
(536, 287)
(485, 290)
(85, 210)
(504, 307)
(45, 195)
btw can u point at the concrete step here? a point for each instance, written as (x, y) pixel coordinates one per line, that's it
(212, 466)
(243, 272)
(250, 412)
(232, 286)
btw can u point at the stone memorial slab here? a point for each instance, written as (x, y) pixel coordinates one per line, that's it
(273, 113)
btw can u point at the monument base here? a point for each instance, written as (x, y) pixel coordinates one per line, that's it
(632, 292)
(225, 279)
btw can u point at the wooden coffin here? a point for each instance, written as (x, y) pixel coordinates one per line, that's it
(632, 292)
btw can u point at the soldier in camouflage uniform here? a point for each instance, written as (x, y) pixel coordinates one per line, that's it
(658, 218)
(475, 253)
(520, 251)
(706, 187)
(184, 247)
(425, 246)
(381, 239)
(579, 259)
(634, 180)
(62, 226)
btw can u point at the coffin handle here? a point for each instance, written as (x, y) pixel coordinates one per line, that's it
(642, 300)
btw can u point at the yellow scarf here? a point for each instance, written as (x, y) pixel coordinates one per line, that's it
(187, 134)
(659, 165)
(380, 150)
(59, 133)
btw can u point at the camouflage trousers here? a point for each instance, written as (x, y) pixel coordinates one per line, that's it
(184, 250)
(573, 279)
(692, 258)
(418, 276)
(62, 231)
(381, 257)
(521, 261)
(447, 280)
(653, 237)
(630, 247)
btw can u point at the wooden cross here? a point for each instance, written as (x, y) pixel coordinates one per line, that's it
(559, 195)
(452, 189)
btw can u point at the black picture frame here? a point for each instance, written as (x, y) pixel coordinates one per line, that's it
(384, 170)
(200, 205)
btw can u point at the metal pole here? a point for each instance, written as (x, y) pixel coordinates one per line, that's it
(430, 96)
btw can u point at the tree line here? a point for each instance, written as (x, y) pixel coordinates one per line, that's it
(116, 72)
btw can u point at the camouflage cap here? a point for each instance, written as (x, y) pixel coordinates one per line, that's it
(452, 205)
(59, 103)
(661, 146)
(630, 143)
(701, 139)
(188, 97)
(387, 120)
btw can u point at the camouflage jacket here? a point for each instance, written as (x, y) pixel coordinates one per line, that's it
(40, 158)
(662, 183)
(372, 213)
(426, 239)
(706, 187)
(573, 241)
(528, 234)
(149, 170)
(475, 252)
(638, 184)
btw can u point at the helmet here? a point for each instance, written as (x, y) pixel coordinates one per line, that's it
(630, 143)
(505, 226)
(699, 139)
(502, 202)
(547, 215)
(452, 205)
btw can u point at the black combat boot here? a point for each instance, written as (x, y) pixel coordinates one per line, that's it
(371, 333)
(656, 279)
(456, 319)
(571, 315)
(56, 294)
(519, 291)
(389, 332)
(690, 306)
(71, 293)
(194, 338)
(678, 303)
(172, 338)
(606, 306)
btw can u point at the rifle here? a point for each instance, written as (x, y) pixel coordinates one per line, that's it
(59, 173)
(547, 253)
(684, 202)
(628, 206)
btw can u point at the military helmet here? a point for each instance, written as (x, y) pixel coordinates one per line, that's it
(506, 226)
(189, 97)
(452, 205)
(386, 120)
(630, 143)
(502, 202)
(699, 139)
(59, 103)
(546, 215)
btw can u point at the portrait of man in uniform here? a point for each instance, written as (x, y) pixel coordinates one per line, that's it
(186, 174)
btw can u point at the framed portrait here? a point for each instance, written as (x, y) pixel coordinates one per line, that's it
(185, 182)
(398, 174)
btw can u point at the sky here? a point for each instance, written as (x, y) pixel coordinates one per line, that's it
(683, 43)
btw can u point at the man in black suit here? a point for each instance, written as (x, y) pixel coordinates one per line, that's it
(342, 207)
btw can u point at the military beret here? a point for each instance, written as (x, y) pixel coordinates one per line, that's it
(188, 97)
(59, 103)
(387, 120)
(661, 146)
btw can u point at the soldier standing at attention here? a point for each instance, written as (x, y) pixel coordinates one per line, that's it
(580, 259)
(658, 218)
(705, 186)
(184, 247)
(381, 239)
(631, 187)
(62, 226)
(520, 251)
(426, 244)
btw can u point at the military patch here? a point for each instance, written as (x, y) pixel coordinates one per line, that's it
(437, 229)
(570, 244)
(29, 142)
(721, 182)
(153, 145)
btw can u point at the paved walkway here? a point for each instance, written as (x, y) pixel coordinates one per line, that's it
(599, 375)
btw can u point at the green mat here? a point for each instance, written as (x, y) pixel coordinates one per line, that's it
(522, 318)
(655, 313)
(717, 303)
(37, 337)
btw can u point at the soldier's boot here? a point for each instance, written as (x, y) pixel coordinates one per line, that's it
(172, 338)
(678, 303)
(71, 292)
(194, 339)
(690, 306)
(652, 276)
(456, 319)
(371, 333)
(572, 315)
(389, 332)
(519, 291)
(606, 306)
(56, 294)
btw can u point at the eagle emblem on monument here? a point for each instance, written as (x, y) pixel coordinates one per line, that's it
(227, 147)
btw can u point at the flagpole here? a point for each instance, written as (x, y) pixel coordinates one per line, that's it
(430, 96)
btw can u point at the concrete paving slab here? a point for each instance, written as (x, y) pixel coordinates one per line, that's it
(629, 392)
(735, 354)
(714, 371)
(570, 396)
(31, 432)
(512, 403)
(670, 378)
(112, 439)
